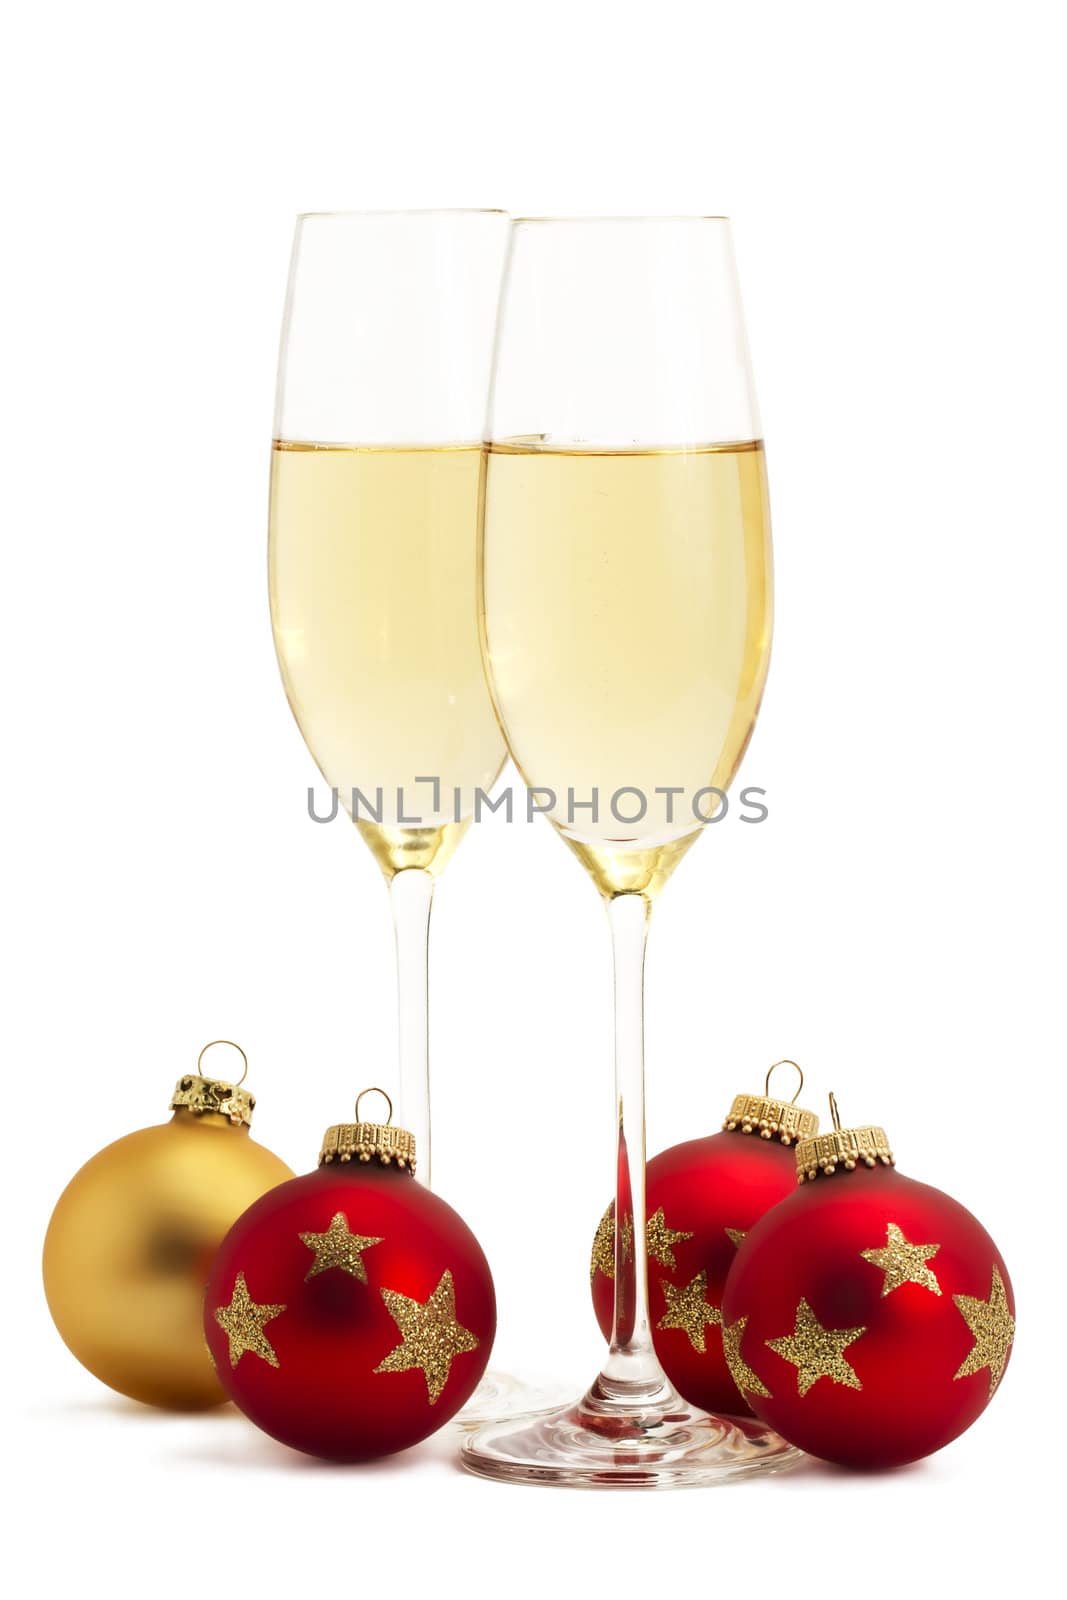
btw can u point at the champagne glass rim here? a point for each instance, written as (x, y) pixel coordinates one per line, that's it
(521, 222)
(417, 211)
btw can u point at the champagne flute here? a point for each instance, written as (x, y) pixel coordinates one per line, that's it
(376, 481)
(626, 626)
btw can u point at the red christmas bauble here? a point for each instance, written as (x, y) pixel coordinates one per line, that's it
(350, 1312)
(702, 1198)
(868, 1318)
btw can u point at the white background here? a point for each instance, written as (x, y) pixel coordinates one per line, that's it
(895, 178)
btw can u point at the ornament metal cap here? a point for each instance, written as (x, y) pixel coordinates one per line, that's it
(781, 1119)
(843, 1147)
(369, 1141)
(199, 1095)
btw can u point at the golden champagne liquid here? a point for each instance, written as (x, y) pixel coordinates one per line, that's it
(373, 593)
(627, 626)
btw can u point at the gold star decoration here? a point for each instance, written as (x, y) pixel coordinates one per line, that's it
(688, 1309)
(432, 1336)
(740, 1371)
(243, 1323)
(603, 1256)
(660, 1240)
(817, 1352)
(903, 1262)
(337, 1247)
(735, 1236)
(993, 1327)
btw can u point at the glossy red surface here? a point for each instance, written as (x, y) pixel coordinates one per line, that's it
(914, 1341)
(324, 1395)
(704, 1187)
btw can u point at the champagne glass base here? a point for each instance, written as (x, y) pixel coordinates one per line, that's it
(501, 1398)
(664, 1444)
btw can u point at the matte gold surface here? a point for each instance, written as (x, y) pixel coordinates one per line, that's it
(130, 1246)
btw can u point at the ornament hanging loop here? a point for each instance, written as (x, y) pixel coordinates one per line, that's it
(769, 1116)
(786, 1061)
(375, 1090)
(199, 1095)
(234, 1046)
(834, 1113)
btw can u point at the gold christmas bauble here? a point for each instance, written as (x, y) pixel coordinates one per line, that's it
(132, 1238)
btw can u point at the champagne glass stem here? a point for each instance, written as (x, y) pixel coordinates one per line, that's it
(411, 896)
(631, 1368)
